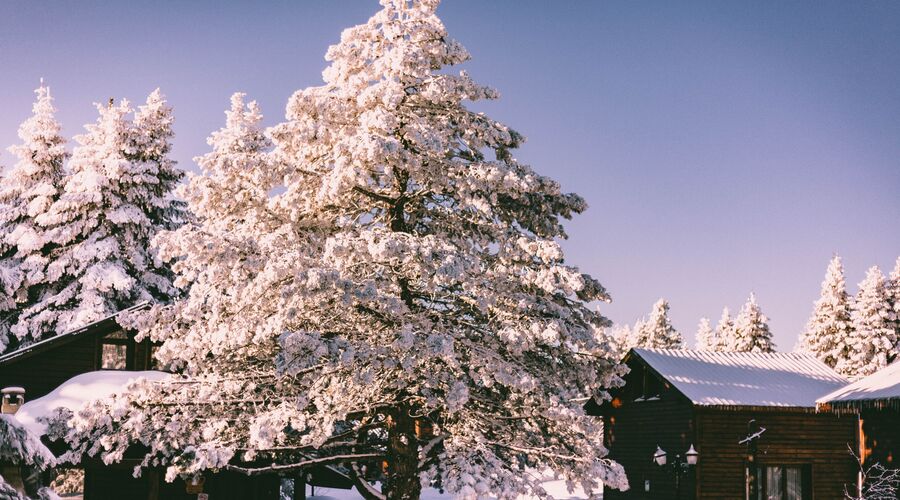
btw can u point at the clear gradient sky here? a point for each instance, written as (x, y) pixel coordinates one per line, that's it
(723, 147)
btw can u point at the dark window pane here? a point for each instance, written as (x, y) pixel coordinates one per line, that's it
(113, 357)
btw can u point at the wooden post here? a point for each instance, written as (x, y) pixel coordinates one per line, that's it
(300, 487)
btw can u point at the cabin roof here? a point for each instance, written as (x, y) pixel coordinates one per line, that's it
(742, 379)
(882, 387)
(64, 338)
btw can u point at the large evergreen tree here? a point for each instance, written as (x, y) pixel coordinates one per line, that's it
(828, 331)
(707, 340)
(116, 199)
(657, 332)
(400, 300)
(751, 330)
(27, 192)
(873, 340)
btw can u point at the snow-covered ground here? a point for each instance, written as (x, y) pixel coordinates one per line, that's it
(557, 488)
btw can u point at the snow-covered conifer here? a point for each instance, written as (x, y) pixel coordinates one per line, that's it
(751, 330)
(400, 299)
(724, 331)
(657, 332)
(873, 340)
(620, 339)
(892, 295)
(707, 340)
(828, 331)
(116, 199)
(27, 191)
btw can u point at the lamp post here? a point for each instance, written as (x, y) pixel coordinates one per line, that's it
(679, 467)
(751, 442)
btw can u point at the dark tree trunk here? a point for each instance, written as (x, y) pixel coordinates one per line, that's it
(402, 477)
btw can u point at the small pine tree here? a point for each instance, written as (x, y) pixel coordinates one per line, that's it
(27, 192)
(873, 340)
(892, 292)
(620, 339)
(724, 331)
(751, 330)
(828, 330)
(658, 332)
(629, 337)
(707, 340)
(116, 199)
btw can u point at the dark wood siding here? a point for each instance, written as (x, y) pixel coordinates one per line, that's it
(633, 430)
(791, 438)
(41, 373)
(117, 483)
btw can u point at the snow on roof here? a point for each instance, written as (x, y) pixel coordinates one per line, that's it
(882, 385)
(744, 378)
(76, 391)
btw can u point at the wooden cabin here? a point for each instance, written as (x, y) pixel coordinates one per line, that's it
(750, 417)
(106, 354)
(41, 367)
(876, 400)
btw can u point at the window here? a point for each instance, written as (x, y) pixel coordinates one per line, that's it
(114, 351)
(785, 482)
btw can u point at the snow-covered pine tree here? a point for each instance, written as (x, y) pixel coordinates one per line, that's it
(892, 294)
(873, 340)
(724, 331)
(828, 331)
(620, 338)
(751, 330)
(28, 190)
(400, 300)
(115, 200)
(707, 340)
(657, 332)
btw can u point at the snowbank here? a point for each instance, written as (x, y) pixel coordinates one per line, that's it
(556, 488)
(73, 393)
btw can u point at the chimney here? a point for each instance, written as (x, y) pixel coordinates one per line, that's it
(13, 399)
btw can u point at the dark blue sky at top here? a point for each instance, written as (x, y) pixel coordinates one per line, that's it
(723, 147)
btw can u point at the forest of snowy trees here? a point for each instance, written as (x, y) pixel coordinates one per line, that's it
(855, 335)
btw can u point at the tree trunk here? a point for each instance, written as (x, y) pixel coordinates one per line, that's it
(402, 478)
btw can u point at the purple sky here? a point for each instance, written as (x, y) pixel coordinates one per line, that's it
(724, 147)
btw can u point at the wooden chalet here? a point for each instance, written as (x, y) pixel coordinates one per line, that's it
(709, 425)
(104, 354)
(43, 366)
(876, 400)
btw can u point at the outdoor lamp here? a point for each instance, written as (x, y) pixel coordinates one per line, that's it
(692, 456)
(659, 456)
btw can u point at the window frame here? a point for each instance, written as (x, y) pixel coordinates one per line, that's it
(806, 478)
(107, 339)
